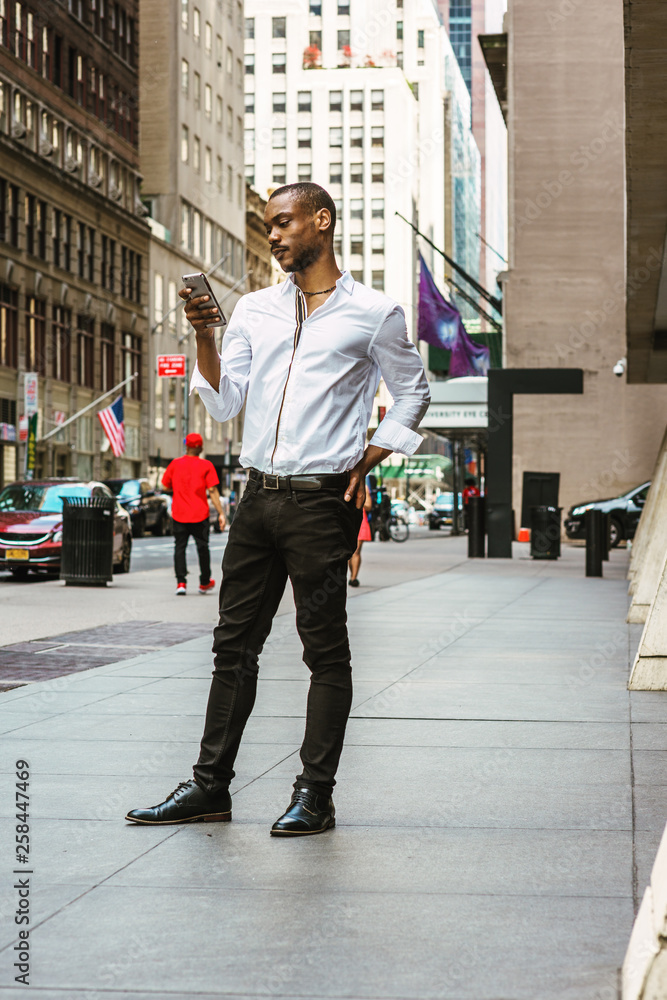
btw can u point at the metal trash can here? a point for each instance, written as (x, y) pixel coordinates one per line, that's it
(88, 530)
(545, 532)
(476, 528)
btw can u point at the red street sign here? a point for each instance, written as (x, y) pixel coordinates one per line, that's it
(171, 365)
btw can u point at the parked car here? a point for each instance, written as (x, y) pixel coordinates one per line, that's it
(146, 506)
(31, 525)
(442, 512)
(213, 521)
(624, 510)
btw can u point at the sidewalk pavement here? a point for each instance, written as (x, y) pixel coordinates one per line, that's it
(500, 801)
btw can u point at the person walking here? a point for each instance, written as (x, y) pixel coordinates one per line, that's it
(363, 536)
(306, 357)
(471, 490)
(192, 479)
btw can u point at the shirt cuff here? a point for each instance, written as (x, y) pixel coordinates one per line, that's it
(397, 437)
(199, 382)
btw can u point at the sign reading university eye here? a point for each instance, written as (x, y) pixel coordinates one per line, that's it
(458, 404)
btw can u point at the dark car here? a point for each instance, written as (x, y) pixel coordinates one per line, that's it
(442, 512)
(147, 507)
(31, 524)
(624, 514)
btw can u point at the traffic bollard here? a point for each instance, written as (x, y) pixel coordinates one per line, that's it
(594, 543)
(476, 528)
(604, 544)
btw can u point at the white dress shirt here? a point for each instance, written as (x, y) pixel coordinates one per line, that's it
(309, 406)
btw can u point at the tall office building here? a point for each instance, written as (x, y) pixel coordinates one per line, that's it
(466, 20)
(191, 85)
(352, 95)
(73, 243)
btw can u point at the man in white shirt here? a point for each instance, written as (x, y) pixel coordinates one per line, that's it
(306, 357)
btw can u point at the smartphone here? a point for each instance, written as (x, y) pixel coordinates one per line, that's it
(200, 286)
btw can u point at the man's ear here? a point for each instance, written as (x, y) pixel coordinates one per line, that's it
(324, 219)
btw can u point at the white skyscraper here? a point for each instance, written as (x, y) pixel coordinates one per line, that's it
(351, 95)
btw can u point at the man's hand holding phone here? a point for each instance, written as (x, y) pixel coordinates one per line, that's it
(201, 308)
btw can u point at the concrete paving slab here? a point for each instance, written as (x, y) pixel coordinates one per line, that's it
(475, 733)
(649, 736)
(358, 859)
(279, 941)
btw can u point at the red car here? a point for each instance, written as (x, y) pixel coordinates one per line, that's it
(31, 525)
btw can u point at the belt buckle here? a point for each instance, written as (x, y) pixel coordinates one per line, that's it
(266, 476)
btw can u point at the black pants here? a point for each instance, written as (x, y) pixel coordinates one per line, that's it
(182, 532)
(307, 536)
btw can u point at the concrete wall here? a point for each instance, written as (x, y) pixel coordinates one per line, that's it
(565, 294)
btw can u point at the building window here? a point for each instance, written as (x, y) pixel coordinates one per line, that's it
(90, 254)
(196, 153)
(377, 173)
(357, 136)
(13, 212)
(356, 100)
(9, 339)
(29, 220)
(218, 110)
(377, 280)
(36, 335)
(185, 77)
(343, 39)
(335, 138)
(131, 363)
(316, 8)
(218, 173)
(208, 100)
(356, 244)
(278, 138)
(356, 173)
(377, 100)
(249, 140)
(304, 138)
(279, 173)
(357, 275)
(208, 38)
(196, 24)
(377, 136)
(335, 100)
(230, 183)
(304, 172)
(335, 173)
(85, 344)
(250, 174)
(315, 40)
(197, 89)
(249, 64)
(279, 62)
(67, 242)
(184, 15)
(399, 30)
(377, 243)
(208, 165)
(356, 208)
(279, 104)
(107, 263)
(61, 326)
(420, 39)
(185, 144)
(304, 100)
(399, 60)
(343, 8)
(377, 208)
(278, 27)
(229, 66)
(250, 27)
(107, 357)
(250, 104)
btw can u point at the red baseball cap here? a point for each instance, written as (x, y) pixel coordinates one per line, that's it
(194, 440)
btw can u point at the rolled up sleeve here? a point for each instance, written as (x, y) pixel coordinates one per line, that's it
(402, 369)
(234, 371)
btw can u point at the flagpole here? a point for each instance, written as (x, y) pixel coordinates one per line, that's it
(80, 413)
(491, 299)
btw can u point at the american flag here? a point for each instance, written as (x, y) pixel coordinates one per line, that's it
(112, 421)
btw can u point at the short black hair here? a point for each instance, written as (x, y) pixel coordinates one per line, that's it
(311, 196)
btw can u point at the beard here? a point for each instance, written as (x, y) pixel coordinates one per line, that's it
(303, 258)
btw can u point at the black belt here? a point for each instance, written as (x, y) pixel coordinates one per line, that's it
(336, 480)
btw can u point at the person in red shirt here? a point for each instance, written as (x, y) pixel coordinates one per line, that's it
(471, 490)
(192, 480)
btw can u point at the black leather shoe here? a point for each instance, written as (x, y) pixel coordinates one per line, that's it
(188, 803)
(308, 813)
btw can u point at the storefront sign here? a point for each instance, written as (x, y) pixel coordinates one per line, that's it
(7, 432)
(30, 390)
(31, 448)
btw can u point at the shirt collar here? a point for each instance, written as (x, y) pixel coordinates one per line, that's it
(346, 281)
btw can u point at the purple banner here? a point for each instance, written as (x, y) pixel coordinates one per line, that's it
(440, 325)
